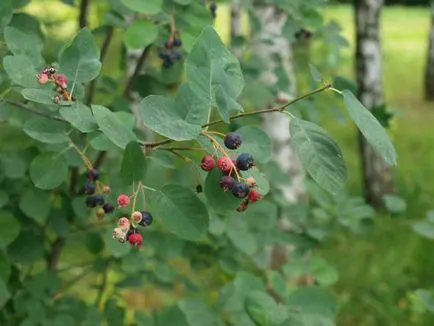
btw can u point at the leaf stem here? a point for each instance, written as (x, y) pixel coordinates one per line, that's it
(29, 109)
(83, 157)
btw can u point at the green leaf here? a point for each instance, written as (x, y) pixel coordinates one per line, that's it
(94, 242)
(371, 129)
(112, 126)
(394, 204)
(4, 198)
(113, 246)
(311, 299)
(46, 131)
(5, 13)
(140, 34)
(4, 293)
(214, 74)
(178, 119)
(27, 248)
(149, 7)
(35, 204)
(320, 155)
(48, 170)
(9, 229)
(243, 240)
(80, 59)
(424, 228)
(264, 310)
(29, 45)
(13, 138)
(180, 211)
(198, 313)
(133, 164)
(316, 75)
(20, 70)
(263, 186)
(426, 298)
(38, 95)
(256, 142)
(80, 116)
(218, 199)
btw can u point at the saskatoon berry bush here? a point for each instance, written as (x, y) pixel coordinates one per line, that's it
(116, 192)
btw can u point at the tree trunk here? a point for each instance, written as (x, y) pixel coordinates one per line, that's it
(429, 71)
(377, 176)
(276, 125)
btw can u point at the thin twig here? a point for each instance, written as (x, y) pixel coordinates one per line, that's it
(103, 286)
(136, 72)
(84, 13)
(29, 109)
(54, 256)
(104, 49)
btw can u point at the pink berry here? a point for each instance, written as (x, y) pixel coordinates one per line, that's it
(251, 182)
(254, 195)
(62, 81)
(124, 223)
(207, 163)
(123, 200)
(42, 78)
(224, 164)
(119, 235)
(136, 217)
(135, 239)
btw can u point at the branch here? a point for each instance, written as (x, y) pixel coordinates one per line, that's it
(279, 108)
(56, 249)
(104, 49)
(29, 109)
(84, 12)
(136, 72)
(103, 286)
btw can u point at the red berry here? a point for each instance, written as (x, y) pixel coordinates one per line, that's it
(123, 200)
(207, 163)
(224, 164)
(62, 81)
(135, 239)
(254, 195)
(227, 182)
(251, 182)
(42, 78)
(124, 223)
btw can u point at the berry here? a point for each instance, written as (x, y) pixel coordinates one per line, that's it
(199, 189)
(100, 213)
(169, 44)
(177, 42)
(146, 218)
(56, 99)
(240, 190)
(232, 140)
(89, 188)
(176, 55)
(243, 206)
(93, 174)
(124, 223)
(108, 208)
(167, 62)
(136, 217)
(119, 234)
(51, 70)
(224, 164)
(207, 163)
(106, 190)
(123, 200)
(90, 202)
(251, 182)
(254, 195)
(227, 182)
(99, 199)
(135, 239)
(62, 81)
(244, 161)
(42, 78)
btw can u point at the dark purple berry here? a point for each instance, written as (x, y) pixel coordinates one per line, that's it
(108, 208)
(90, 202)
(167, 62)
(176, 55)
(199, 189)
(240, 190)
(99, 199)
(177, 42)
(146, 218)
(89, 188)
(227, 182)
(244, 161)
(232, 140)
(93, 174)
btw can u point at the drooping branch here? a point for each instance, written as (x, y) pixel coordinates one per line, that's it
(34, 111)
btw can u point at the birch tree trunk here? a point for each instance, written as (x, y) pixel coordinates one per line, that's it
(276, 125)
(377, 176)
(429, 70)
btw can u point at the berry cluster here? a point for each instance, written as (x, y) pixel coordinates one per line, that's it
(50, 75)
(96, 191)
(127, 228)
(171, 51)
(230, 180)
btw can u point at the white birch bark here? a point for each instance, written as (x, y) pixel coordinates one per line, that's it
(429, 70)
(377, 176)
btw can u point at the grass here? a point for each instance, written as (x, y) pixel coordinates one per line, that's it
(379, 270)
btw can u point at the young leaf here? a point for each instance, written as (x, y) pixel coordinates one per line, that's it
(180, 210)
(20, 70)
(48, 170)
(133, 164)
(46, 131)
(214, 74)
(371, 129)
(140, 34)
(80, 59)
(316, 75)
(149, 7)
(319, 154)
(112, 127)
(80, 116)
